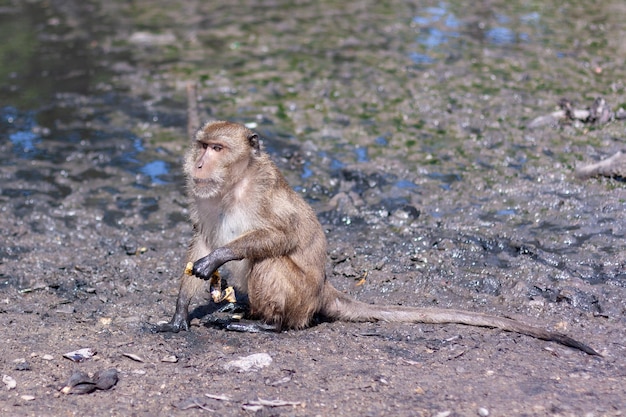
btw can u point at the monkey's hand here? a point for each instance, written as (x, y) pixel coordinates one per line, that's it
(205, 267)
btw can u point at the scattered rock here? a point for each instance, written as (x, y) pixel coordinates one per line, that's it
(9, 381)
(250, 363)
(22, 366)
(65, 309)
(106, 379)
(81, 383)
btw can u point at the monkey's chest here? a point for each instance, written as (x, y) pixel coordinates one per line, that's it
(220, 224)
(230, 226)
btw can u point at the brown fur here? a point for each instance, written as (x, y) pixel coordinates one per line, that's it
(246, 217)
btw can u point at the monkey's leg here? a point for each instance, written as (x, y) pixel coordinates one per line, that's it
(189, 285)
(281, 294)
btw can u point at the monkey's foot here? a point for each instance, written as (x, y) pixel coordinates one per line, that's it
(233, 307)
(166, 328)
(234, 325)
(174, 326)
(252, 327)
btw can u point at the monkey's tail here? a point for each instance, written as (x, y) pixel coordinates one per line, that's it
(338, 306)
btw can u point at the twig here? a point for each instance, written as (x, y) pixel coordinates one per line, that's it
(218, 397)
(612, 167)
(193, 118)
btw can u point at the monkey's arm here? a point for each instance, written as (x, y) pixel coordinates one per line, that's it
(256, 244)
(205, 267)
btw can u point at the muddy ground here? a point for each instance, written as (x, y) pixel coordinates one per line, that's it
(404, 125)
(87, 283)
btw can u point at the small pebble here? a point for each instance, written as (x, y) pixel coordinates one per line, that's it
(65, 309)
(79, 383)
(22, 366)
(106, 379)
(9, 381)
(483, 412)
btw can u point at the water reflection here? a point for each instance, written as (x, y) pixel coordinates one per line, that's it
(23, 137)
(431, 37)
(445, 179)
(361, 154)
(438, 26)
(154, 170)
(500, 36)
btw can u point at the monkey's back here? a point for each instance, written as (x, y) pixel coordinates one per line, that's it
(285, 289)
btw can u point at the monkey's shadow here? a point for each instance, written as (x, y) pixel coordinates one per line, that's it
(220, 316)
(201, 312)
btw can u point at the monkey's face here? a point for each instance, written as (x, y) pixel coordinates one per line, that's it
(218, 158)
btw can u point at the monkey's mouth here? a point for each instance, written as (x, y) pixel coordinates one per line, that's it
(203, 181)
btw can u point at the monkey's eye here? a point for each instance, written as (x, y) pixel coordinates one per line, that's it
(204, 145)
(217, 148)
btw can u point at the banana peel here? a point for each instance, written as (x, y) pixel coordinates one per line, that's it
(215, 285)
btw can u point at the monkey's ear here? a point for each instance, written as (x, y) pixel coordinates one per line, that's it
(253, 140)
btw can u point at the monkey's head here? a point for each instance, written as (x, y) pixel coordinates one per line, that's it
(218, 157)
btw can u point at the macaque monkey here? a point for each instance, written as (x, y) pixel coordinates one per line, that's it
(249, 220)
